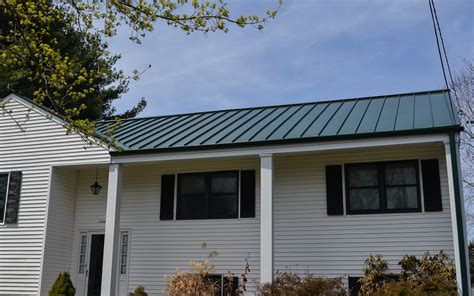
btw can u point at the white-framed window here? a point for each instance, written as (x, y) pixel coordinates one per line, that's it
(4, 180)
(82, 253)
(208, 195)
(124, 241)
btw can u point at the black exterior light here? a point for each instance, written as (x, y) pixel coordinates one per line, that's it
(95, 188)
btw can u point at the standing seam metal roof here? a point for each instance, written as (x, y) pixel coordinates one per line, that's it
(421, 112)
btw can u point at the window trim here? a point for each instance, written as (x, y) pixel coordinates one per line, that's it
(382, 188)
(206, 193)
(2, 222)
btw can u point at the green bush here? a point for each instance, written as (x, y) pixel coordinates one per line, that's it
(429, 275)
(62, 286)
(291, 284)
(139, 291)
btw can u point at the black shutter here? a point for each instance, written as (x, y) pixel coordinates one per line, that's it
(431, 185)
(13, 203)
(247, 194)
(334, 196)
(167, 197)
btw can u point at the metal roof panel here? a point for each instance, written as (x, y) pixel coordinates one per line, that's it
(412, 112)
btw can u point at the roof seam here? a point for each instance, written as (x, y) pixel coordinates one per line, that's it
(246, 112)
(363, 116)
(347, 116)
(380, 114)
(396, 114)
(314, 120)
(331, 118)
(299, 120)
(284, 121)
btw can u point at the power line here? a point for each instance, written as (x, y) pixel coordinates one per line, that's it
(440, 45)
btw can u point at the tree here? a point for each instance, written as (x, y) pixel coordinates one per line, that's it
(463, 91)
(32, 50)
(88, 52)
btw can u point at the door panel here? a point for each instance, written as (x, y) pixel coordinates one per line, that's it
(95, 265)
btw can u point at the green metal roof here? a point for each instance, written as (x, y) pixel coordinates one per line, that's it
(421, 112)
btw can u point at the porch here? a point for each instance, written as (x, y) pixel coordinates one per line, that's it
(291, 228)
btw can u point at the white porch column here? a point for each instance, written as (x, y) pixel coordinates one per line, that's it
(112, 227)
(266, 218)
(461, 256)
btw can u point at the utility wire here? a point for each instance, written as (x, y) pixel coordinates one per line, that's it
(440, 45)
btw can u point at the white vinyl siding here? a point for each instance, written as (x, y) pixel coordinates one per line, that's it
(307, 239)
(157, 247)
(33, 151)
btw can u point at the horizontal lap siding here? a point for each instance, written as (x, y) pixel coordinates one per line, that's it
(159, 247)
(59, 226)
(307, 239)
(43, 143)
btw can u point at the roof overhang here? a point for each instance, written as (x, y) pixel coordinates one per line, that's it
(280, 149)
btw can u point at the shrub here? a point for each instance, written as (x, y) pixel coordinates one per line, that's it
(430, 275)
(291, 284)
(139, 291)
(374, 274)
(434, 286)
(62, 286)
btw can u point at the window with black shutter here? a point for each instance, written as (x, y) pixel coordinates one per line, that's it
(382, 187)
(208, 195)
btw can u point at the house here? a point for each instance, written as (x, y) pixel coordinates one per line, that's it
(312, 187)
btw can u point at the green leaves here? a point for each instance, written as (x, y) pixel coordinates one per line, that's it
(52, 50)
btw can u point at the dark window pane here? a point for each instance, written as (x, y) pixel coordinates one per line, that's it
(192, 184)
(192, 207)
(223, 206)
(3, 194)
(364, 199)
(363, 175)
(400, 173)
(224, 183)
(405, 197)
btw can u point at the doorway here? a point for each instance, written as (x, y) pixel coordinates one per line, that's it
(95, 265)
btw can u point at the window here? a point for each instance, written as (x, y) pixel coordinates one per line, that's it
(383, 187)
(82, 254)
(123, 253)
(3, 196)
(208, 195)
(224, 283)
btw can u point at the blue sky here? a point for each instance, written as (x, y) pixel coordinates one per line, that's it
(314, 50)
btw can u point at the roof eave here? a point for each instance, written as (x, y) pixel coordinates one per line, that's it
(425, 131)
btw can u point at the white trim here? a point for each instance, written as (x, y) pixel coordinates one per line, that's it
(43, 244)
(279, 149)
(266, 218)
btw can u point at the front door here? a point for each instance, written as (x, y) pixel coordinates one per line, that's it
(95, 265)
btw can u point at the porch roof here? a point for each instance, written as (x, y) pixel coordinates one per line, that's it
(398, 114)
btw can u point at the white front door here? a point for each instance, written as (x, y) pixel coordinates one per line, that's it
(91, 252)
(89, 273)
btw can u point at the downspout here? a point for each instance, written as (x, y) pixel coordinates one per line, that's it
(461, 229)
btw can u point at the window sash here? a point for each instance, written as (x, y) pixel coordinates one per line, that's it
(382, 187)
(208, 197)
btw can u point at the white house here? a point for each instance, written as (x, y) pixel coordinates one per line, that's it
(312, 187)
